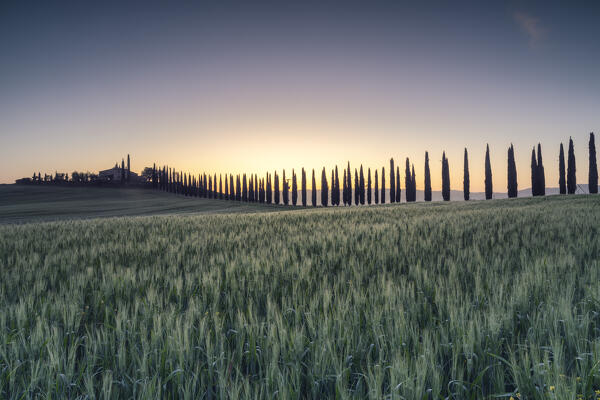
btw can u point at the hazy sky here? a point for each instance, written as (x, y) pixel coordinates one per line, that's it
(226, 87)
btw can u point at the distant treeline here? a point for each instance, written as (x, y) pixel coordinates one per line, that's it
(267, 189)
(273, 189)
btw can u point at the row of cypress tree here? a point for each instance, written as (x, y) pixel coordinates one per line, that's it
(251, 188)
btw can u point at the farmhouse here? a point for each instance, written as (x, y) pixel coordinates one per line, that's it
(117, 174)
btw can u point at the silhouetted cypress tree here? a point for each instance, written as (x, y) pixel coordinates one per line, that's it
(541, 176)
(369, 186)
(215, 188)
(512, 173)
(303, 187)
(337, 187)
(231, 188)
(185, 184)
(356, 188)
(286, 190)
(562, 181)
(313, 189)
(294, 188)
(269, 189)
(220, 187)
(407, 182)
(392, 182)
(244, 188)
(349, 185)
(226, 187)
(427, 184)
(488, 174)
(128, 170)
(382, 185)
(361, 182)
(398, 191)
(251, 188)
(593, 171)
(238, 188)
(466, 178)
(324, 189)
(333, 187)
(571, 178)
(276, 188)
(445, 178)
(376, 188)
(345, 191)
(122, 171)
(535, 187)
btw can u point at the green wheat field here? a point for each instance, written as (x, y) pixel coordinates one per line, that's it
(413, 301)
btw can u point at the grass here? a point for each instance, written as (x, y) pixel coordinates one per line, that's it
(420, 301)
(31, 203)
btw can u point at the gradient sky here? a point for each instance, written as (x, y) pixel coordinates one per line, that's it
(225, 87)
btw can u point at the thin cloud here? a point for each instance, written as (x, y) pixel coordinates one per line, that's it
(531, 26)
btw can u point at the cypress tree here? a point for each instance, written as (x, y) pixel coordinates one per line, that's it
(571, 178)
(392, 182)
(362, 186)
(294, 188)
(488, 174)
(593, 170)
(244, 188)
(512, 173)
(349, 185)
(356, 188)
(303, 187)
(226, 187)
(220, 187)
(534, 175)
(466, 178)
(210, 187)
(541, 176)
(231, 188)
(269, 189)
(314, 189)
(407, 182)
(369, 186)
(562, 182)
(376, 187)
(122, 171)
(333, 187)
(285, 194)
(337, 187)
(276, 188)
(427, 189)
(324, 188)
(128, 170)
(251, 188)
(398, 191)
(382, 185)
(215, 188)
(238, 188)
(445, 178)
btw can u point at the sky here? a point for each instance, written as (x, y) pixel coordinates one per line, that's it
(223, 86)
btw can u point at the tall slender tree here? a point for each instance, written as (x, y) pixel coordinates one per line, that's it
(349, 184)
(369, 186)
(285, 194)
(122, 171)
(427, 183)
(488, 174)
(313, 189)
(324, 188)
(332, 187)
(562, 181)
(535, 187)
(294, 188)
(392, 182)
(541, 176)
(382, 185)
(128, 170)
(398, 191)
(356, 188)
(220, 187)
(407, 182)
(571, 178)
(512, 173)
(226, 187)
(376, 191)
(362, 186)
(593, 171)
(303, 187)
(345, 190)
(269, 194)
(276, 188)
(445, 178)
(231, 188)
(244, 188)
(466, 178)
(337, 187)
